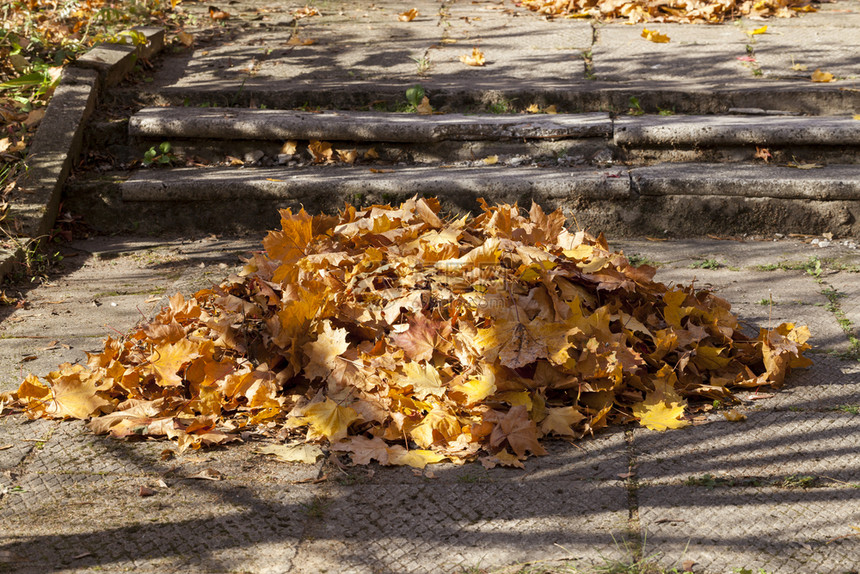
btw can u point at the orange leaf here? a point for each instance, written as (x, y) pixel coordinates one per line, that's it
(408, 16)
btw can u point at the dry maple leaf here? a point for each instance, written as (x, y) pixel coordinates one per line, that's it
(660, 415)
(762, 153)
(217, 14)
(323, 352)
(654, 36)
(518, 431)
(304, 453)
(819, 76)
(321, 151)
(476, 58)
(408, 16)
(424, 108)
(329, 419)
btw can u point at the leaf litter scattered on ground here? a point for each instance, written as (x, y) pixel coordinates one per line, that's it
(398, 336)
(685, 11)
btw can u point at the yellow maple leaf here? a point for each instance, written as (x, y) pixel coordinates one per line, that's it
(329, 419)
(654, 36)
(289, 147)
(533, 109)
(477, 389)
(660, 415)
(74, 393)
(476, 58)
(438, 425)
(167, 360)
(559, 420)
(819, 76)
(424, 380)
(757, 31)
(324, 350)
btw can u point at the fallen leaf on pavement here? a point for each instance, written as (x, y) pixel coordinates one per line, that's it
(217, 14)
(819, 76)
(476, 58)
(207, 474)
(408, 16)
(734, 416)
(304, 453)
(654, 36)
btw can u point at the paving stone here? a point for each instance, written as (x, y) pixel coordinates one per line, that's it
(79, 522)
(435, 528)
(21, 436)
(767, 444)
(73, 448)
(779, 531)
(830, 383)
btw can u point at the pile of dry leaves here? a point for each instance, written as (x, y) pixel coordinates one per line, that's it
(404, 338)
(686, 11)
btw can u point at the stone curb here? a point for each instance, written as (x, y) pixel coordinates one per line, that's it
(231, 123)
(714, 131)
(630, 132)
(59, 138)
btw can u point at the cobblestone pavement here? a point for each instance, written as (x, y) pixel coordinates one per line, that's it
(779, 491)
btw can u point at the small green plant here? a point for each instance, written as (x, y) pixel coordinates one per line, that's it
(501, 106)
(587, 59)
(636, 260)
(850, 409)
(423, 65)
(162, 155)
(798, 481)
(706, 264)
(316, 508)
(748, 571)
(717, 403)
(635, 107)
(415, 95)
(665, 112)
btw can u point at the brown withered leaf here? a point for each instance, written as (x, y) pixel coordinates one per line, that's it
(408, 16)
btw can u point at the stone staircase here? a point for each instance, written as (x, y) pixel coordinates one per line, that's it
(231, 169)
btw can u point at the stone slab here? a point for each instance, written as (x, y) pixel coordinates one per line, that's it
(767, 445)
(222, 123)
(780, 531)
(113, 61)
(464, 185)
(831, 183)
(23, 435)
(436, 528)
(694, 53)
(715, 131)
(831, 48)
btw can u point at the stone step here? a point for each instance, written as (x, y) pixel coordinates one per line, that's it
(211, 134)
(254, 124)
(679, 199)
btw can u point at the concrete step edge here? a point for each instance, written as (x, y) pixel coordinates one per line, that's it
(830, 183)
(233, 123)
